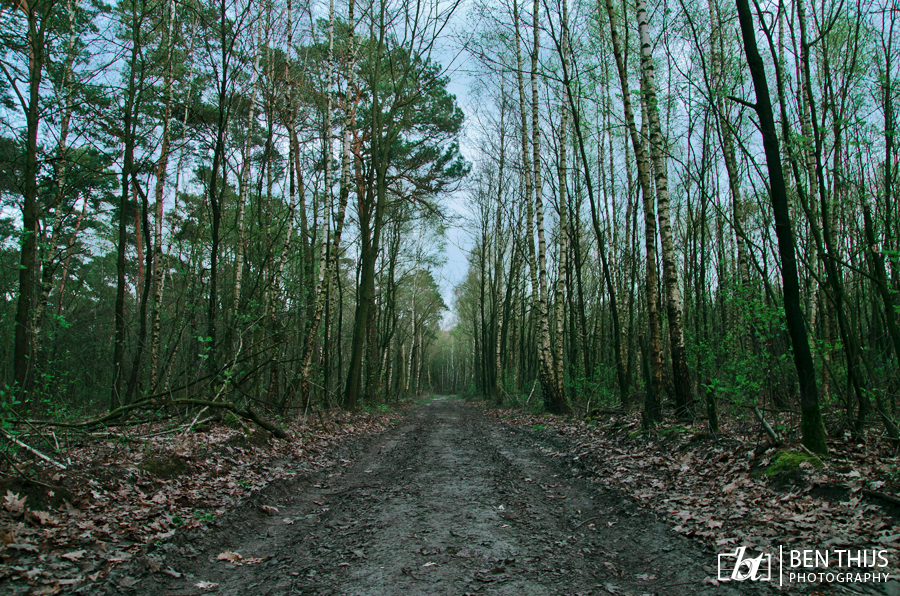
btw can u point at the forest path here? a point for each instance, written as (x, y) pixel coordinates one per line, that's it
(449, 502)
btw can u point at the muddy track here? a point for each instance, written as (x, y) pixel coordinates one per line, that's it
(449, 502)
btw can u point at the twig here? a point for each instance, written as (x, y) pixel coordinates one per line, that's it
(533, 387)
(194, 421)
(322, 420)
(12, 463)
(586, 521)
(22, 474)
(32, 450)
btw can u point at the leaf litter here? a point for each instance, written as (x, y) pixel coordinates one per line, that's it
(717, 491)
(128, 491)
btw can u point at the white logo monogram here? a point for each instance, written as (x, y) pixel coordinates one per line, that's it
(744, 568)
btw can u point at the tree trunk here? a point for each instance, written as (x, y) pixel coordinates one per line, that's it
(23, 336)
(243, 192)
(681, 373)
(128, 129)
(811, 424)
(560, 404)
(549, 383)
(161, 169)
(50, 262)
(652, 407)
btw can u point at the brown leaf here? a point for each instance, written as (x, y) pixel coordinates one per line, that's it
(7, 537)
(229, 556)
(74, 555)
(41, 518)
(13, 503)
(206, 585)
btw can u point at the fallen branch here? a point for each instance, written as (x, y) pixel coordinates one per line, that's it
(156, 400)
(32, 450)
(22, 474)
(243, 413)
(765, 425)
(762, 448)
(882, 496)
(248, 413)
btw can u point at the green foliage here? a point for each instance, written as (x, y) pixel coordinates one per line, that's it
(787, 462)
(232, 421)
(380, 408)
(205, 516)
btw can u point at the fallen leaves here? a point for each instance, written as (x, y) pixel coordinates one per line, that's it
(117, 507)
(74, 555)
(13, 503)
(711, 490)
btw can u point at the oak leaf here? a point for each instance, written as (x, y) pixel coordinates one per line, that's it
(13, 503)
(229, 556)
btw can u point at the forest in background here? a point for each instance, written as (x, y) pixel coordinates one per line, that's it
(230, 205)
(241, 206)
(685, 207)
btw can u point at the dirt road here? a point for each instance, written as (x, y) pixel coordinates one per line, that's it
(448, 502)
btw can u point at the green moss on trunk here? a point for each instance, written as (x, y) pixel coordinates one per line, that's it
(812, 429)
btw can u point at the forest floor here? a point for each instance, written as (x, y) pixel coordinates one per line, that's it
(458, 499)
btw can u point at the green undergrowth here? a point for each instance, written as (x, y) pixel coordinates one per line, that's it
(673, 432)
(786, 463)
